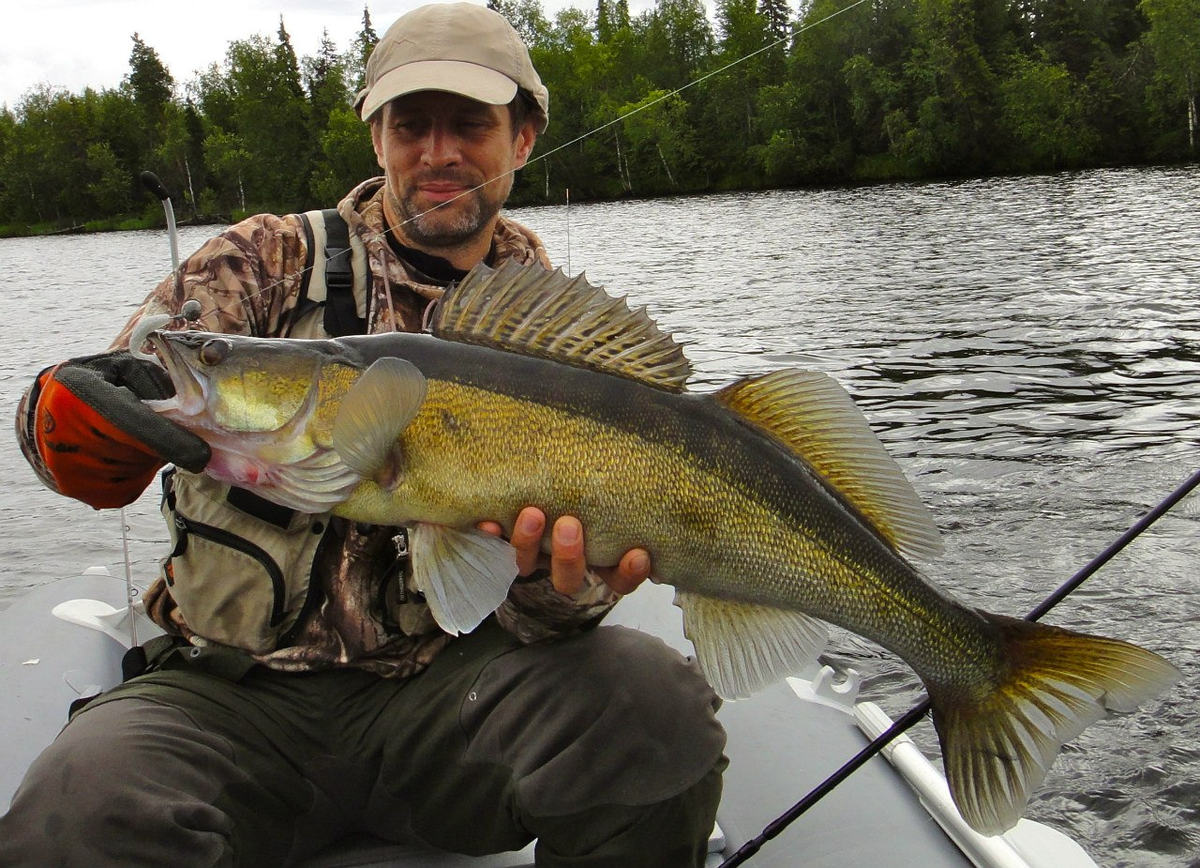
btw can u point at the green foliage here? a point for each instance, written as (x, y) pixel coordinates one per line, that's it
(109, 191)
(347, 156)
(1043, 109)
(884, 90)
(270, 119)
(360, 51)
(1174, 39)
(151, 83)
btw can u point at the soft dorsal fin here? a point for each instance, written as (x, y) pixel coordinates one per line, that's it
(527, 309)
(815, 418)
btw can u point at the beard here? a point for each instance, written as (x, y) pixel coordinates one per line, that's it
(451, 223)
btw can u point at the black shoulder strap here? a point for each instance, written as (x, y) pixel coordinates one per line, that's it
(341, 312)
(337, 261)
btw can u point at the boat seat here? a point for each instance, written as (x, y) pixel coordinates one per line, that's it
(368, 852)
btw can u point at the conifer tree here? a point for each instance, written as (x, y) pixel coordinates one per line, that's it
(364, 44)
(289, 66)
(604, 22)
(150, 82)
(778, 18)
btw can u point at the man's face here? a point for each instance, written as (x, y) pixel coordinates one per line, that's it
(435, 149)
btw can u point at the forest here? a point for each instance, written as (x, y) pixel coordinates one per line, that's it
(666, 102)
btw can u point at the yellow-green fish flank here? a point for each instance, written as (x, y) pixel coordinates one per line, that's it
(769, 505)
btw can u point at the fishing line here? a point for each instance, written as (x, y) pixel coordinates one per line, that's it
(914, 714)
(795, 31)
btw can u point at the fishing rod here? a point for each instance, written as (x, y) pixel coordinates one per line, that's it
(151, 182)
(914, 714)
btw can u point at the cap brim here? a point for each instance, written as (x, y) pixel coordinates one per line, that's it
(453, 76)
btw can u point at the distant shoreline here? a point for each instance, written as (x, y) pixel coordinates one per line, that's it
(131, 223)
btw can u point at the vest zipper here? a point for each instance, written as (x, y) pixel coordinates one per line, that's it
(231, 540)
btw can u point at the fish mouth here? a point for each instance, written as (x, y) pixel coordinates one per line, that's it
(190, 390)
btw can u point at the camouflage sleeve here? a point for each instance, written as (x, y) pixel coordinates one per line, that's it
(246, 279)
(535, 611)
(514, 241)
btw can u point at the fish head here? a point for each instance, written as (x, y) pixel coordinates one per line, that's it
(237, 384)
(265, 408)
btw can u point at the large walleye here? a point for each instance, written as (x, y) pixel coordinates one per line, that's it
(768, 505)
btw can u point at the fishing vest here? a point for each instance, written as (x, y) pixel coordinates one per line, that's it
(240, 567)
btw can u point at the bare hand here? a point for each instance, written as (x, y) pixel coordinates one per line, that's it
(566, 562)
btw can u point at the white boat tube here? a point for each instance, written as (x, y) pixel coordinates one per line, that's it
(1026, 845)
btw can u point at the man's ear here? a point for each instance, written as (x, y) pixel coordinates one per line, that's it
(377, 136)
(523, 144)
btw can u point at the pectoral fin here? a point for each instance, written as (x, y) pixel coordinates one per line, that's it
(464, 574)
(743, 648)
(372, 416)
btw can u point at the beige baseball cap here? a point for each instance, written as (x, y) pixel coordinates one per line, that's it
(461, 48)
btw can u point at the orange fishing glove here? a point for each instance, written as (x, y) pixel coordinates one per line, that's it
(94, 438)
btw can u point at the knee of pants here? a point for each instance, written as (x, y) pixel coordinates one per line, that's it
(118, 769)
(611, 717)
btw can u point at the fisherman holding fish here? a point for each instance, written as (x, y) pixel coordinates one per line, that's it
(306, 688)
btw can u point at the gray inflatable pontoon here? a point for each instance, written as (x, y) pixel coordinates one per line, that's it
(66, 639)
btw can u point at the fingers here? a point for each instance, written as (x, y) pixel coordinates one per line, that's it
(527, 538)
(568, 566)
(633, 569)
(568, 562)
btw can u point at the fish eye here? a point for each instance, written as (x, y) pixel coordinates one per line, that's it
(214, 352)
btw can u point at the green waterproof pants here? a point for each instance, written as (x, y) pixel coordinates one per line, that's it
(604, 747)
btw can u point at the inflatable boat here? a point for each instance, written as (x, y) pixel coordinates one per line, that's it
(65, 640)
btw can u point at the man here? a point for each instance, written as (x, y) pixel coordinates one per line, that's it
(304, 691)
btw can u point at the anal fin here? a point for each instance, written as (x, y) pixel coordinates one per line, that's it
(744, 648)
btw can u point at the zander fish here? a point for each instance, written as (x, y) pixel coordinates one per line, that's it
(770, 505)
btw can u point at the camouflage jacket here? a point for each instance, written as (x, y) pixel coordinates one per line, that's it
(353, 614)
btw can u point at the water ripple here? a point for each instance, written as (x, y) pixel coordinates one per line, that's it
(1028, 348)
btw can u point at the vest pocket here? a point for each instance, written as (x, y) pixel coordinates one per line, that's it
(238, 579)
(187, 530)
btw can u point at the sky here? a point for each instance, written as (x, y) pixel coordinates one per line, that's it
(73, 44)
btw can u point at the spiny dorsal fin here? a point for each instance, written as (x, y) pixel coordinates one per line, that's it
(527, 309)
(818, 421)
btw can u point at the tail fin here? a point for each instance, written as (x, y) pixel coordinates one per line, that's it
(997, 745)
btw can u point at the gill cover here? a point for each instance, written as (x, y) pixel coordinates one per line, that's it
(254, 401)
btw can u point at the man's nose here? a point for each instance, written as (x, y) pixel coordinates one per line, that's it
(441, 146)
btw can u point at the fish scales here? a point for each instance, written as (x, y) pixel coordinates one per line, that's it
(657, 463)
(768, 504)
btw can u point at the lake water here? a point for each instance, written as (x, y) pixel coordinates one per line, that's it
(1028, 348)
